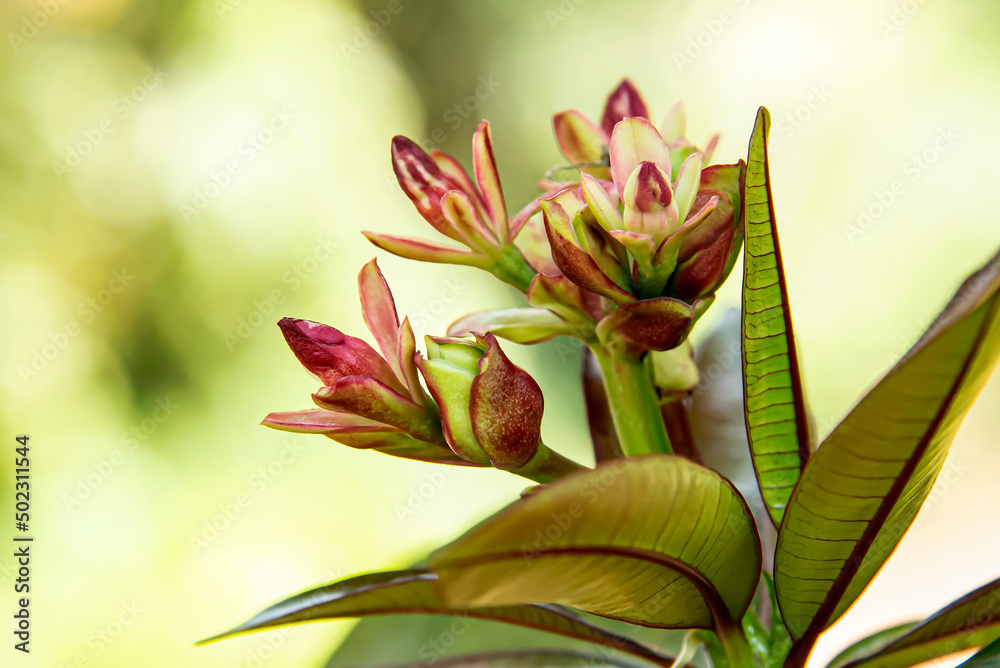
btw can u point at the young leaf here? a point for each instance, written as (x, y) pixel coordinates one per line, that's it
(971, 621)
(410, 592)
(864, 485)
(520, 325)
(772, 389)
(870, 645)
(988, 657)
(524, 658)
(653, 540)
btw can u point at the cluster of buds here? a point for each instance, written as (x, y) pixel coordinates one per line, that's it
(482, 409)
(626, 256)
(473, 214)
(645, 236)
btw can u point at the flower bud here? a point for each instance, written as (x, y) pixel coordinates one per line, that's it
(506, 408)
(649, 202)
(330, 355)
(449, 370)
(624, 102)
(423, 182)
(491, 410)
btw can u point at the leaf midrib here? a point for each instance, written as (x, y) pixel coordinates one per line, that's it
(798, 395)
(874, 525)
(898, 645)
(717, 607)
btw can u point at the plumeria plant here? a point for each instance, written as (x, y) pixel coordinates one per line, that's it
(626, 255)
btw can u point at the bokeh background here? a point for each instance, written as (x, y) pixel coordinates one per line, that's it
(139, 283)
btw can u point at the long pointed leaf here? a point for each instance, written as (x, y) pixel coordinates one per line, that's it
(870, 645)
(412, 592)
(653, 540)
(970, 622)
(862, 488)
(988, 657)
(523, 658)
(776, 415)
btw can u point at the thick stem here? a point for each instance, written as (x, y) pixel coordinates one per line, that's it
(735, 645)
(675, 417)
(634, 404)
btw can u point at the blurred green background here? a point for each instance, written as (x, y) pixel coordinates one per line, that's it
(139, 282)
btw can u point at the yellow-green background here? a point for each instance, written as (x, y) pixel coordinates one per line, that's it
(874, 82)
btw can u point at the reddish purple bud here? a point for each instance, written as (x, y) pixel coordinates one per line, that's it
(423, 182)
(653, 192)
(506, 407)
(330, 355)
(624, 102)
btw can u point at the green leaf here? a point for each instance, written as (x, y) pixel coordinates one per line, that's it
(988, 657)
(523, 658)
(870, 645)
(776, 416)
(412, 591)
(653, 540)
(420, 637)
(970, 622)
(864, 485)
(520, 325)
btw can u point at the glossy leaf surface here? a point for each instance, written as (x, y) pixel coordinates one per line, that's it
(772, 389)
(988, 657)
(971, 621)
(653, 540)
(864, 485)
(412, 592)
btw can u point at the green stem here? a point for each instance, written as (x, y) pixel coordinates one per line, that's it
(547, 465)
(735, 645)
(512, 268)
(635, 407)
